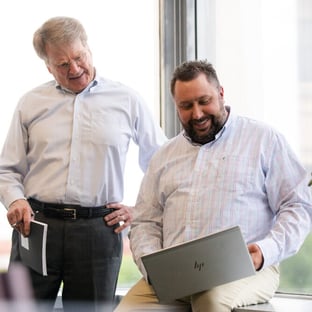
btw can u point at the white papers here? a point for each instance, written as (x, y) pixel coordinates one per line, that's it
(33, 247)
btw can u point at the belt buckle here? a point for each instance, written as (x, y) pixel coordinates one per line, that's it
(73, 212)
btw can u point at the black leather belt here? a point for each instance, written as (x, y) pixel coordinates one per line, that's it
(68, 212)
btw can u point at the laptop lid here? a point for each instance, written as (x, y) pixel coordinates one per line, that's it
(198, 265)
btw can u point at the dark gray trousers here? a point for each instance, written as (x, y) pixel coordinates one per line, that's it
(84, 256)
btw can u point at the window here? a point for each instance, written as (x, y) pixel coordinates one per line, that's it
(125, 48)
(262, 52)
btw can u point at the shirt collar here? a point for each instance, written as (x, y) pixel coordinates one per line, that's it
(89, 88)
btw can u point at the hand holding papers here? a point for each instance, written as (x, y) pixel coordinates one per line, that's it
(33, 247)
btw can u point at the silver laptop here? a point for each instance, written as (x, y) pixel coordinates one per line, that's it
(198, 265)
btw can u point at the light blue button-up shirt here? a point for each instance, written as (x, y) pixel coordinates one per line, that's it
(71, 148)
(247, 176)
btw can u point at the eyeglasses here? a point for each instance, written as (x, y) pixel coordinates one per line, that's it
(78, 60)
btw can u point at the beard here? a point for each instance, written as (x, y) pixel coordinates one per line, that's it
(203, 137)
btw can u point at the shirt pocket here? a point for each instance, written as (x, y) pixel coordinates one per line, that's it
(106, 129)
(235, 174)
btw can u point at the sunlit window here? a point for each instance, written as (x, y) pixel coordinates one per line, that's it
(262, 52)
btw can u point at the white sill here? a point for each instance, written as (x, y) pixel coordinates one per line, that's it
(281, 303)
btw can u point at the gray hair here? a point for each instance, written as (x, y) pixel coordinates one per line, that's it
(58, 30)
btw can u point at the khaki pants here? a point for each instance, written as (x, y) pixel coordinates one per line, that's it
(251, 290)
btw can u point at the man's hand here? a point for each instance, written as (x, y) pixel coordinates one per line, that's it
(19, 215)
(121, 214)
(256, 255)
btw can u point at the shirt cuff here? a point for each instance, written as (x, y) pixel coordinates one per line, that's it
(270, 252)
